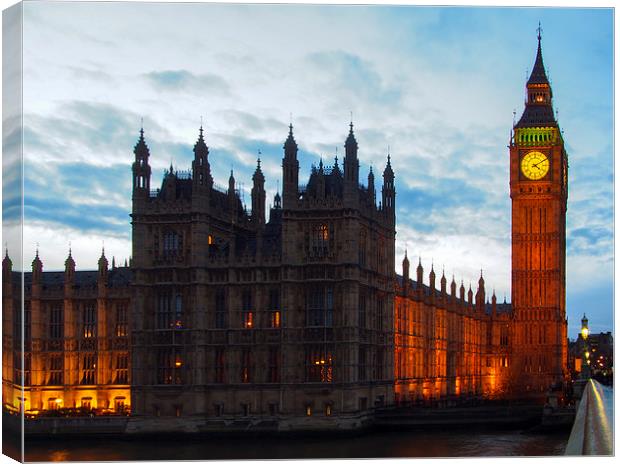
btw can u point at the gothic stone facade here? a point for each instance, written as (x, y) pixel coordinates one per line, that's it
(236, 316)
(74, 336)
(301, 318)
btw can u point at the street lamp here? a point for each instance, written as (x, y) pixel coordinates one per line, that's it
(585, 370)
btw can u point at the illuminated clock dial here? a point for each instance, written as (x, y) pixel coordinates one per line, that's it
(535, 165)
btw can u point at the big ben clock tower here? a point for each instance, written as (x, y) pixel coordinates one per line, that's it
(539, 191)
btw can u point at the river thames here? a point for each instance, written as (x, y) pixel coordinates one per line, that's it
(374, 444)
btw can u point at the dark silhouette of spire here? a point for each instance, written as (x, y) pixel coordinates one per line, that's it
(538, 106)
(290, 171)
(406, 268)
(350, 144)
(141, 146)
(290, 146)
(140, 168)
(539, 75)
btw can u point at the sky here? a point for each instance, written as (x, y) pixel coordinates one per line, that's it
(438, 86)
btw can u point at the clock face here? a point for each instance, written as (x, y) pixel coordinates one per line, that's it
(535, 165)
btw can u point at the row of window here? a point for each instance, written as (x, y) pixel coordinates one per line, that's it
(172, 367)
(319, 309)
(319, 366)
(55, 369)
(87, 402)
(56, 323)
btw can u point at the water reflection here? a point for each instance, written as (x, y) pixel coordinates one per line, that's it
(376, 444)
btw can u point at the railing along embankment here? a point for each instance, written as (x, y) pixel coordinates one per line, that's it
(592, 432)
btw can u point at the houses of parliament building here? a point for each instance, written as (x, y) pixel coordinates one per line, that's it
(299, 319)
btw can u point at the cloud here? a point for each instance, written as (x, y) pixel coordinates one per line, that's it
(444, 106)
(183, 80)
(339, 72)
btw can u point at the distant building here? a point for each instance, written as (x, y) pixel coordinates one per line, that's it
(600, 349)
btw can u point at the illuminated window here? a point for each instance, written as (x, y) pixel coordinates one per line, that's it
(121, 374)
(308, 410)
(89, 367)
(178, 312)
(503, 337)
(89, 320)
(319, 364)
(86, 402)
(245, 365)
(178, 409)
(210, 240)
(54, 403)
(320, 237)
(328, 409)
(274, 306)
(275, 319)
(247, 317)
(119, 404)
(169, 367)
(56, 364)
(120, 328)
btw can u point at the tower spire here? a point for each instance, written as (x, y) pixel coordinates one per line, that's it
(538, 107)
